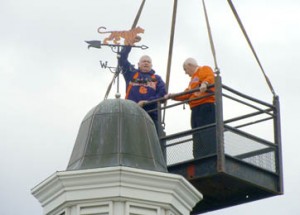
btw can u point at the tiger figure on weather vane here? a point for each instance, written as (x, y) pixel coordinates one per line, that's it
(113, 40)
(130, 37)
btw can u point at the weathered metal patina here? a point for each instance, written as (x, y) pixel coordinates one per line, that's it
(117, 132)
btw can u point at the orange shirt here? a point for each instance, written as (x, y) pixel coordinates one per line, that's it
(202, 74)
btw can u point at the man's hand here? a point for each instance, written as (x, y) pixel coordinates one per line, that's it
(203, 87)
(137, 39)
(142, 103)
(167, 96)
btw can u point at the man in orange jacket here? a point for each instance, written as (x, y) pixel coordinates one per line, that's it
(202, 109)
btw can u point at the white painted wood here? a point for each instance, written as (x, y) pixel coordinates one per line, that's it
(116, 191)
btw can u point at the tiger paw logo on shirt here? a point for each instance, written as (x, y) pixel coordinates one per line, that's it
(143, 90)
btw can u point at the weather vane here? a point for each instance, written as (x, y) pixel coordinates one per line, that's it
(116, 41)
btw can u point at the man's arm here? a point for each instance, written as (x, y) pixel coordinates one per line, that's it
(127, 68)
(123, 59)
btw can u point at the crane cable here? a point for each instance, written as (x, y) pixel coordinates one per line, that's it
(251, 46)
(137, 17)
(172, 41)
(171, 45)
(170, 53)
(210, 38)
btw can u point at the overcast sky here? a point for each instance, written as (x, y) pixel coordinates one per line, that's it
(49, 79)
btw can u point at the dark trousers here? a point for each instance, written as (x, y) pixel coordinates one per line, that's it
(158, 126)
(160, 133)
(204, 141)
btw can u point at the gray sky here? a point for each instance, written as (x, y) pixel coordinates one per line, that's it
(49, 79)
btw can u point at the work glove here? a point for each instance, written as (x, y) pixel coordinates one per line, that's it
(203, 87)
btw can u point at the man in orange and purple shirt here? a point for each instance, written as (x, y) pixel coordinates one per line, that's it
(142, 84)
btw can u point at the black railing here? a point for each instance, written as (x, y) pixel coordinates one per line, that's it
(248, 130)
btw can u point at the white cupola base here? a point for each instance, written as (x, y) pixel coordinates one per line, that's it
(116, 191)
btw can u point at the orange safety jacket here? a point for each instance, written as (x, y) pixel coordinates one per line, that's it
(202, 74)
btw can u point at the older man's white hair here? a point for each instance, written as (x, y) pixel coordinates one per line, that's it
(190, 61)
(145, 57)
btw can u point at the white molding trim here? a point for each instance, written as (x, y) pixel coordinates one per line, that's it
(116, 183)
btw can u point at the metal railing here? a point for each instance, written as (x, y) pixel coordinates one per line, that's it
(246, 129)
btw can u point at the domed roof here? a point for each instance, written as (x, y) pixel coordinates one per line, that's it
(117, 132)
